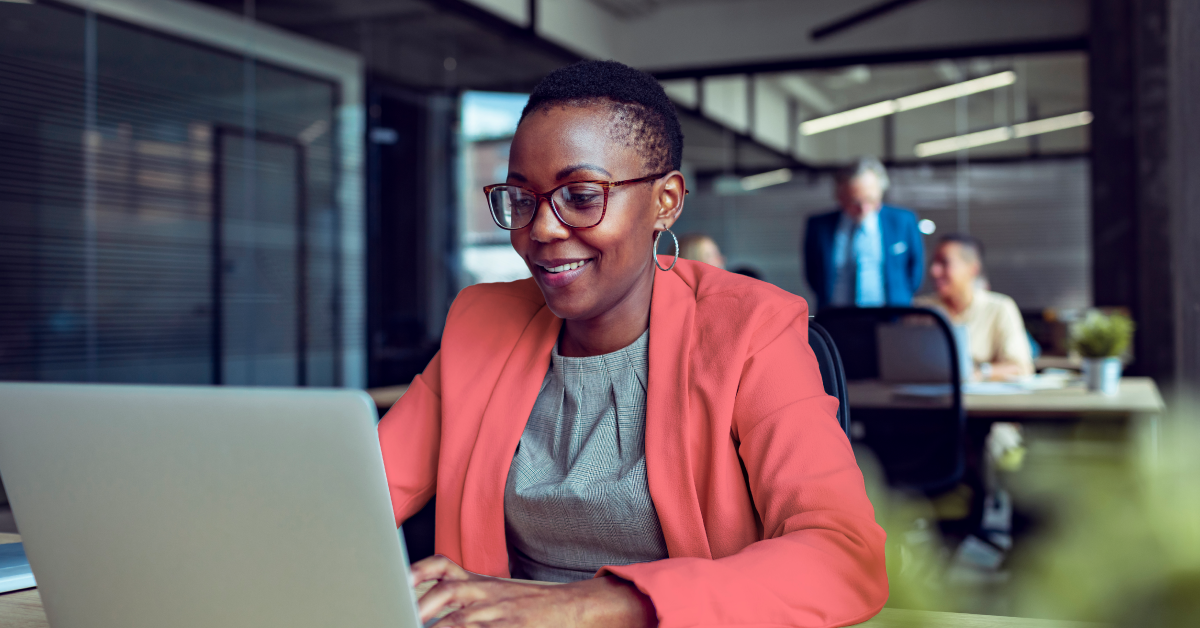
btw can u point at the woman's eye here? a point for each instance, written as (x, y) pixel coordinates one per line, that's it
(583, 196)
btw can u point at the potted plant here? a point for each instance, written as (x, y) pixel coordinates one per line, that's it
(1101, 339)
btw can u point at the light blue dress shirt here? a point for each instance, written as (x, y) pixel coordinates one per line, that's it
(858, 256)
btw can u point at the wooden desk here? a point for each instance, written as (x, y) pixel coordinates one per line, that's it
(386, 396)
(1134, 413)
(23, 609)
(1138, 395)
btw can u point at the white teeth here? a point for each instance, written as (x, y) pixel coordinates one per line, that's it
(565, 267)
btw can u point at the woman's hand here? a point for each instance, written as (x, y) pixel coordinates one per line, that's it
(496, 603)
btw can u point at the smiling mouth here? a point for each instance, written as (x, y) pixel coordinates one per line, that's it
(565, 267)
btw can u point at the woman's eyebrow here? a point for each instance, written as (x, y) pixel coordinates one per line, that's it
(569, 170)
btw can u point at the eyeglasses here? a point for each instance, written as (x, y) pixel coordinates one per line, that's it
(578, 204)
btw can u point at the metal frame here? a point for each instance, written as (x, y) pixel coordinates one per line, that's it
(218, 248)
(1080, 44)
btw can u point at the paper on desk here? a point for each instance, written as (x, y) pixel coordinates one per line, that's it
(993, 388)
(1017, 387)
(1047, 381)
(15, 573)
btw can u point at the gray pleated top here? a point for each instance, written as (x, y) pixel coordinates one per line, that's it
(577, 497)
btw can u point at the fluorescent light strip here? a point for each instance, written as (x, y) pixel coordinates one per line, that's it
(958, 90)
(1046, 125)
(1000, 134)
(905, 103)
(846, 118)
(766, 179)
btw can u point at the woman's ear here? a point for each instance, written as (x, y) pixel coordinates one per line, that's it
(670, 192)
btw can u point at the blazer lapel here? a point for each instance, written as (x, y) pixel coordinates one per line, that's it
(484, 546)
(669, 460)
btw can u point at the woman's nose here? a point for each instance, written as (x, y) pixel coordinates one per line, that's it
(546, 226)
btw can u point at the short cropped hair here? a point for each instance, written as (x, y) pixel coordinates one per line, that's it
(971, 245)
(862, 166)
(645, 117)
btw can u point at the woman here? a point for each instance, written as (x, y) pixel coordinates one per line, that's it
(654, 422)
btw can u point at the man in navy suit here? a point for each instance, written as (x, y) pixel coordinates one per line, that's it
(866, 254)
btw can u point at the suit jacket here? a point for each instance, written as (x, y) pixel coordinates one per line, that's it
(762, 506)
(903, 255)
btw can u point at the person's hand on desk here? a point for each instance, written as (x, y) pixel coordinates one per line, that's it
(1000, 371)
(495, 602)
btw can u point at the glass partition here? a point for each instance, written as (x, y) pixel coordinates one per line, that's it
(170, 208)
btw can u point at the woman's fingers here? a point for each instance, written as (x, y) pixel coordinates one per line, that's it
(482, 615)
(438, 568)
(449, 593)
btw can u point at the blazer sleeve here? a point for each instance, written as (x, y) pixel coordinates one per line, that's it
(916, 254)
(821, 560)
(410, 438)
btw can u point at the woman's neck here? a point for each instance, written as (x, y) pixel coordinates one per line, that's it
(615, 329)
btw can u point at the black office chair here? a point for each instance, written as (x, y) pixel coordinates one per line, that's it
(918, 432)
(833, 376)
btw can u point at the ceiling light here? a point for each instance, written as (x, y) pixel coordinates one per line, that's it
(1046, 125)
(846, 118)
(766, 179)
(905, 103)
(1000, 134)
(957, 90)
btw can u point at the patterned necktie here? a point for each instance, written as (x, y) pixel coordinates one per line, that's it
(858, 245)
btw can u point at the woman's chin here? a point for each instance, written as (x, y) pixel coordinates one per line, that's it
(570, 306)
(567, 311)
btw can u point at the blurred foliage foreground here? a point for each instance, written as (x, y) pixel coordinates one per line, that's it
(1115, 541)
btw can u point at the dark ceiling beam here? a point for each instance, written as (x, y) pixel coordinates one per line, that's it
(854, 19)
(510, 31)
(878, 58)
(939, 162)
(788, 161)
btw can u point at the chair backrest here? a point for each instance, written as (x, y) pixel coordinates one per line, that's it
(917, 430)
(833, 376)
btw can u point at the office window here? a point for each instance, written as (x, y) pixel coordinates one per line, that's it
(169, 209)
(489, 120)
(1032, 216)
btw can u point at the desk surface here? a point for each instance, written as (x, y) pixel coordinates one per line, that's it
(23, 609)
(1138, 395)
(387, 395)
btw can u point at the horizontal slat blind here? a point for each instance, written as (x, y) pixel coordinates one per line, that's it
(115, 281)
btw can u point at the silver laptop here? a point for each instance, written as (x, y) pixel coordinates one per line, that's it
(153, 506)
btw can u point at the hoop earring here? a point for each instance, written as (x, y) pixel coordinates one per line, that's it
(655, 251)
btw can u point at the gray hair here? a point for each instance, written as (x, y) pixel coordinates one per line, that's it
(862, 166)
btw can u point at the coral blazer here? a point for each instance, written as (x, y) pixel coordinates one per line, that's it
(762, 506)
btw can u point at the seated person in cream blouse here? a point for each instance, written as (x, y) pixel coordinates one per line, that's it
(996, 333)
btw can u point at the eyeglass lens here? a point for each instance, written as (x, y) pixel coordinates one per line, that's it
(579, 205)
